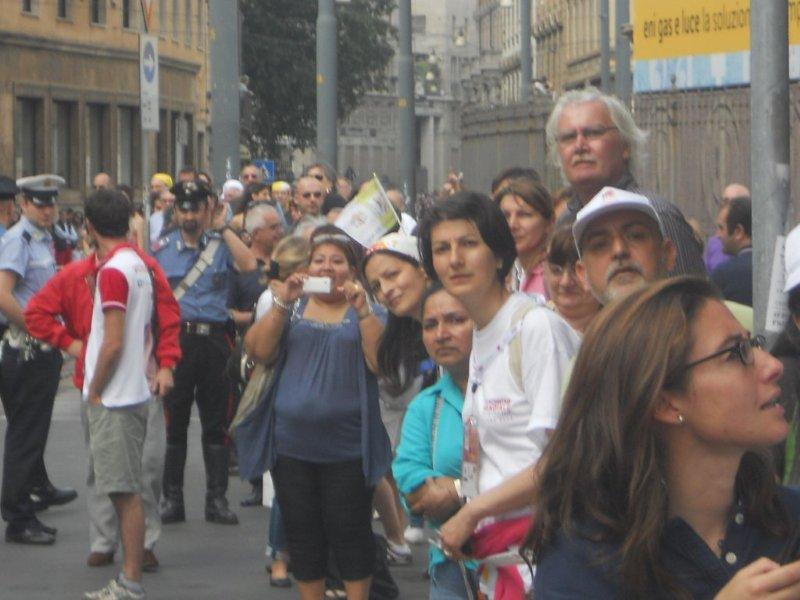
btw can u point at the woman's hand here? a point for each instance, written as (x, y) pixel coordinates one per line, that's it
(290, 290)
(763, 578)
(439, 499)
(457, 531)
(357, 297)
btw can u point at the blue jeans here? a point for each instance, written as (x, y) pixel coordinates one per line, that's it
(276, 536)
(447, 582)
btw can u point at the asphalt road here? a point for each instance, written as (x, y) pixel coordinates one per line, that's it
(199, 560)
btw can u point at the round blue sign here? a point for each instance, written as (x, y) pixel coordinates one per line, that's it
(149, 62)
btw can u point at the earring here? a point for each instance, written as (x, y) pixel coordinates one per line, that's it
(681, 420)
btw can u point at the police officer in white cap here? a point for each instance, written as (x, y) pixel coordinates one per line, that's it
(30, 369)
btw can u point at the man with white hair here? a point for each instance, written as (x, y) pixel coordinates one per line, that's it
(595, 142)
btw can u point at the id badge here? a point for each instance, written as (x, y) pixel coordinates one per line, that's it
(470, 458)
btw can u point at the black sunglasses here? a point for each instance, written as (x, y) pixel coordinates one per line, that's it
(743, 349)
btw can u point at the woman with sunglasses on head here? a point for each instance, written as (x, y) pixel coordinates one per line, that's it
(528, 209)
(657, 482)
(328, 448)
(396, 280)
(574, 303)
(428, 460)
(520, 353)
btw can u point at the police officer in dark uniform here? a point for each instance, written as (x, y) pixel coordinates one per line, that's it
(199, 258)
(30, 369)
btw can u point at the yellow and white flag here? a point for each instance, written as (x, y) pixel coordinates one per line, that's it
(368, 216)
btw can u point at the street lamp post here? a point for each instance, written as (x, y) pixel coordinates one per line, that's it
(327, 76)
(405, 101)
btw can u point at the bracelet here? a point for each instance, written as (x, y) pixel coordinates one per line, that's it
(287, 308)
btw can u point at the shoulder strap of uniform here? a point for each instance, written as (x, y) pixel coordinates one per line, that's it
(203, 261)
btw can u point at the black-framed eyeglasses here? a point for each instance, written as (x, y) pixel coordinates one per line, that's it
(589, 133)
(743, 350)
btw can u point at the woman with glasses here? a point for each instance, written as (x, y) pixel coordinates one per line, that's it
(520, 353)
(528, 209)
(657, 482)
(568, 297)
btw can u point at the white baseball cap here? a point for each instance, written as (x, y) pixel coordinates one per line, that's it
(609, 200)
(791, 259)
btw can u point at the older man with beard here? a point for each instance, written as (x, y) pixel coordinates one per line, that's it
(623, 246)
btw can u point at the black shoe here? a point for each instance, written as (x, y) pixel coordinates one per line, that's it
(46, 528)
(280, 582)
(216, 461)
(49, 495)
(254, 498)
(172, 510)
(32, 534)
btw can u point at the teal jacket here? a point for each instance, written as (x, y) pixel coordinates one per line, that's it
(415, 459)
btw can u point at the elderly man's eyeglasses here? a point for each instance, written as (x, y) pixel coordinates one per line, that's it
(310, 194)
(565, 138)
(743, 350)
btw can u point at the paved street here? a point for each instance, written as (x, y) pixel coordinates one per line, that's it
(198, 560)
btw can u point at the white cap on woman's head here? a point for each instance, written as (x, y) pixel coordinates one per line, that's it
(791, 259)
(232, 184)
(397, 243)
(609, 200)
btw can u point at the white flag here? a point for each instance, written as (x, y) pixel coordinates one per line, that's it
(369, 215)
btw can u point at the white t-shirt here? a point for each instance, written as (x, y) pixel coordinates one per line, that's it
(512, 423)
(156, 225)
(123, 282)
(264, 303)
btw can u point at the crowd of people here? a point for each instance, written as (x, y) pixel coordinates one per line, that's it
(560, 391)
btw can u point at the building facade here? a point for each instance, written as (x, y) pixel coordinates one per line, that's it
(444, 44)
(69, 89)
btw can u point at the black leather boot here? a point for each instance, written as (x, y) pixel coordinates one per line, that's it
(217, 511)
(172, 509)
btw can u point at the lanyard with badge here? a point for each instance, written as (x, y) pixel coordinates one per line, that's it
(471, 452)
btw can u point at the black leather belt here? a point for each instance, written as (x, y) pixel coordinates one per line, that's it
(201, 328)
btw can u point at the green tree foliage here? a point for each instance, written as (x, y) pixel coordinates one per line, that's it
(279, 57)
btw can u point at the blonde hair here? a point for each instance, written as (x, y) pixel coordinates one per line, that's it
(291, 253)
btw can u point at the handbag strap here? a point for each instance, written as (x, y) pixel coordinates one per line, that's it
(437, 415)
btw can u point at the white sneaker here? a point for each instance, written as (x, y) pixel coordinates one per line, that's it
(414, 535)
(398, 555)
(114, 591)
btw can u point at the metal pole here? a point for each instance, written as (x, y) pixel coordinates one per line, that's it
(524, 51)
(326, 82)
(405, 101)
(146, 185)
(622, 51)
(224, 50)
(769, 146)
(605, 49)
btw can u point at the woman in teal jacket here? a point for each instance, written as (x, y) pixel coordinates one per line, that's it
(427, 466)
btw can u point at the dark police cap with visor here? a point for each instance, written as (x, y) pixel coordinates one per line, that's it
(41, 190)
(190, 195)
(8, 188)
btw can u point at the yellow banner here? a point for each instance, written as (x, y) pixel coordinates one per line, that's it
(674, 28)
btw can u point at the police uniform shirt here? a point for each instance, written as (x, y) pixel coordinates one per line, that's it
(27, 251)
(206, 300)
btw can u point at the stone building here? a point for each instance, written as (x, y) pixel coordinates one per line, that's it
(69, 88)
(444, 44)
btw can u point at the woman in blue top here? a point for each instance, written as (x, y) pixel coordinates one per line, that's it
(427, 466)
(329, 447)
(656, 483)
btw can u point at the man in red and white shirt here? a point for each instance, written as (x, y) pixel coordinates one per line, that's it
(115, 385)
(61, 314)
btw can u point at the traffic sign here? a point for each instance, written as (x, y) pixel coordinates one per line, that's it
(267, 167)
(148, 81)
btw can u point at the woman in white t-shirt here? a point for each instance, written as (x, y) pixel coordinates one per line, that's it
(520, 354)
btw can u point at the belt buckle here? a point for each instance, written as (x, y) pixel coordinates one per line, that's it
(203, 329)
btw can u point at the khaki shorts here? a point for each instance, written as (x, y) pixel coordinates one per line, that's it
(116, 439)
